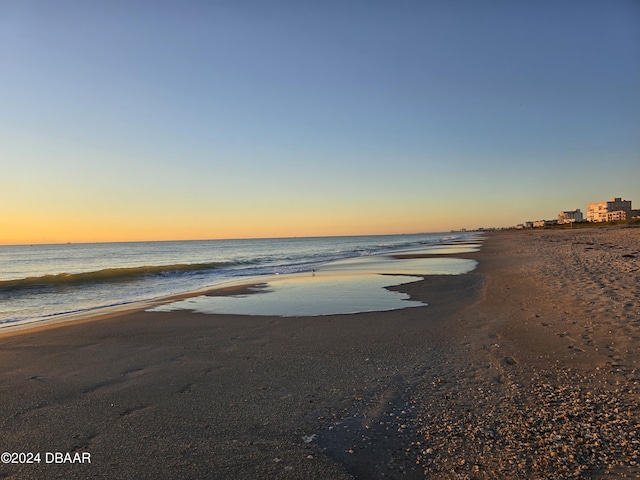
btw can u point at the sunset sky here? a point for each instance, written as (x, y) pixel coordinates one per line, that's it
(152, 120)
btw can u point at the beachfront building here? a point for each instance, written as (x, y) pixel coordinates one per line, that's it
(570, 216)
(544, 223)
(622, 215)
(616, 208)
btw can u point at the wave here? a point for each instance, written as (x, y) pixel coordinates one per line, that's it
(108, 275)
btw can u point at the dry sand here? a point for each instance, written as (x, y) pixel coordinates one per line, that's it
(525, 368)
(551, 389)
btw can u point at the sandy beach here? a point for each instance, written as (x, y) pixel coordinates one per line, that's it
(527, 367)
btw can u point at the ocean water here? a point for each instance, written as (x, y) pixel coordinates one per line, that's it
(38, 282)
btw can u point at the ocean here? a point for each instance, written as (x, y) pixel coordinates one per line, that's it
(39, 282)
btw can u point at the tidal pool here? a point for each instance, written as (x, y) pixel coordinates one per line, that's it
(348, 286)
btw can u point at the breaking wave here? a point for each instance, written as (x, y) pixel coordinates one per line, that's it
(108, 275)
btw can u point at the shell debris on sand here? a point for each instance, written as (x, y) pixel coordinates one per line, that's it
(554, 428)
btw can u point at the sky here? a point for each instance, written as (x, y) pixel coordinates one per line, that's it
(160, 120)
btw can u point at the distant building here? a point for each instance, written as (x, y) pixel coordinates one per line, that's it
(614, 209)
(570, 216)
(621, 215)
(544, 223)
(522, 226)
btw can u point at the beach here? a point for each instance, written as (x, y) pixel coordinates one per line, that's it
(526, 367)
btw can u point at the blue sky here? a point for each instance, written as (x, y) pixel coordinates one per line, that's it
(154, 120)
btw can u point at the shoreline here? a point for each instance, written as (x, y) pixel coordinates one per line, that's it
(514, 370)
(102, 313)
(240, 286)
(44, 283)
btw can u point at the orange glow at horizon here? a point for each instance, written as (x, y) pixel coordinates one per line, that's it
(36, 229)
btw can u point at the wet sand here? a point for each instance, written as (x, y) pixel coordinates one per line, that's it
(525, 368)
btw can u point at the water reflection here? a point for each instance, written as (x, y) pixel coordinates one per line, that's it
(348, 286)
(308, 295)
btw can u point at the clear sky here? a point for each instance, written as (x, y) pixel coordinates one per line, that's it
(144, 120)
